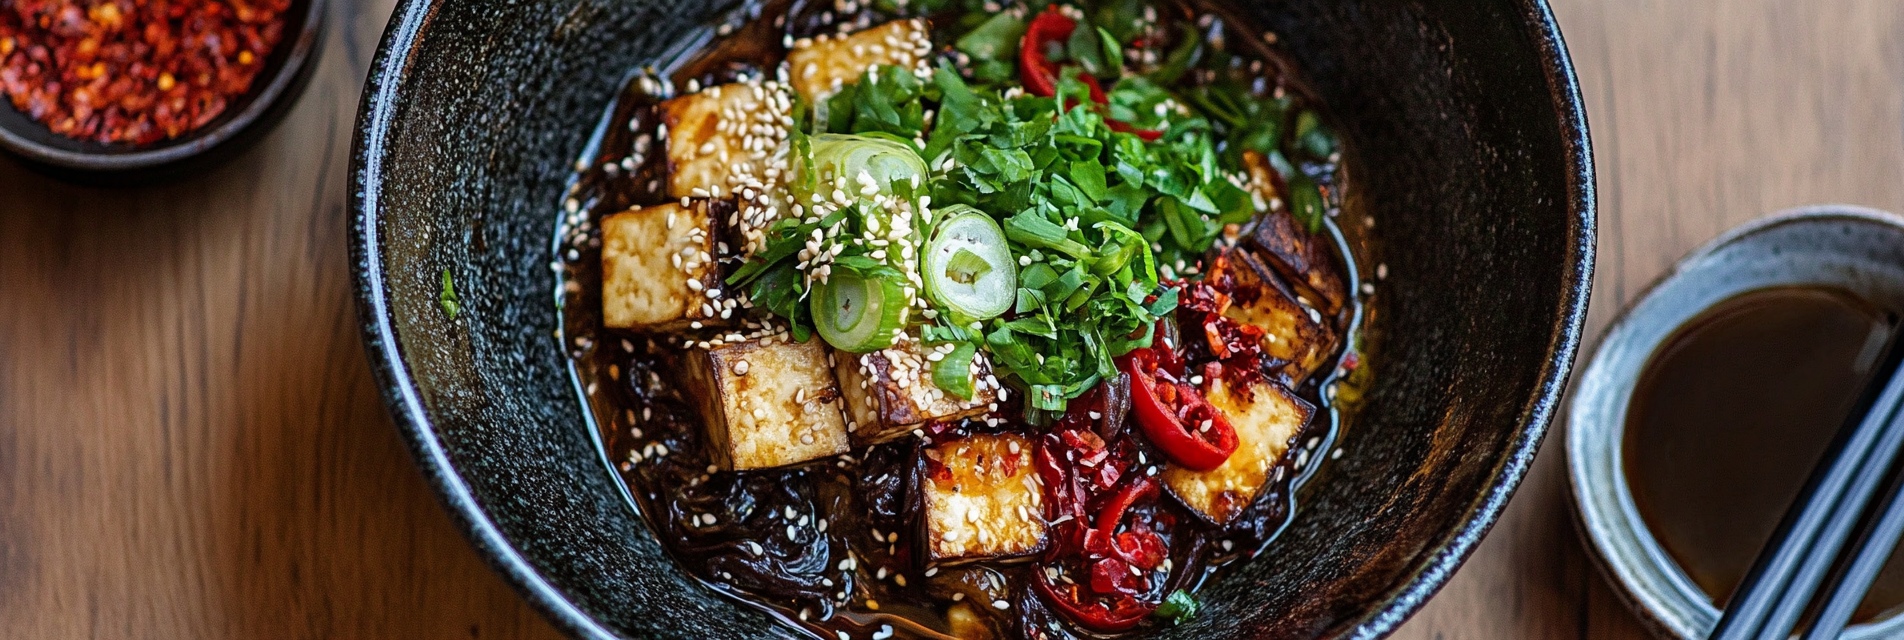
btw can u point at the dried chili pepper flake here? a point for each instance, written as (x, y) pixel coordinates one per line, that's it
(132, 71)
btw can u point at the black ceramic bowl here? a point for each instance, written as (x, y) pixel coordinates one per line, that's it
(286, 71)
(1467, 144)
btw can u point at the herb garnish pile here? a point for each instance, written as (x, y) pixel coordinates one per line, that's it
(1102, 202)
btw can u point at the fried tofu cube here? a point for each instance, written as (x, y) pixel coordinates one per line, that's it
(982, 498)
(1303, 257)
(890, 392)
(724, 137)
(822, 64)
(768, 402)
(1266, 418)
(643, 286)
(1291, 333)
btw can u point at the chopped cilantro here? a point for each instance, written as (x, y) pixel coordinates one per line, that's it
(1095, 215)
(1178, 607)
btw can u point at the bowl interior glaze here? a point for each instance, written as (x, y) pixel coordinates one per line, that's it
(1466, 141)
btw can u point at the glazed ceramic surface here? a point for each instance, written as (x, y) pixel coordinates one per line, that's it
(1843, 247)
(1465, 141)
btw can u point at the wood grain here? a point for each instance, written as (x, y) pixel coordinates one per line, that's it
(1705, 114)
(191, 446)
(190, 442)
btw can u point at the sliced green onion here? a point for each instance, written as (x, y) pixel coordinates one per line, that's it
(954, 373)
(968, 268)
(836, 155)
(1032, 228)
(1049, 397)
(859, 314)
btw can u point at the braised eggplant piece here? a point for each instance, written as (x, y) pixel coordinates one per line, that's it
(1305, 257)
(890, 392)
(1291, 333)
(1266, 417)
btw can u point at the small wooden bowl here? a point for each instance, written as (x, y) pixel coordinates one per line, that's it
(287, 69)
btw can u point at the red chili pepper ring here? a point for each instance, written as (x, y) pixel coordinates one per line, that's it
(1177, 418)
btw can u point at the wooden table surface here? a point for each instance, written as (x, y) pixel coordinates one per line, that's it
(191, 445)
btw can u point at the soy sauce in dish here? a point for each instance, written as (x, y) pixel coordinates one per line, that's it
(1729, 417)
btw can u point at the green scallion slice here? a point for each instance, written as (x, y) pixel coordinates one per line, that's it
(837, 155)
(954, 372)
(968, 268)
(857, 314)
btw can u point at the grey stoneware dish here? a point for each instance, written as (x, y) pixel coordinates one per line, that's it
(1845, 247)
(1465, 136)
(287, 70)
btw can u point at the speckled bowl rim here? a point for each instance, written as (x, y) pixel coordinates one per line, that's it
(1648, 580)
(379, 109)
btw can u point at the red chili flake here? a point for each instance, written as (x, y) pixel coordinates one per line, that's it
(133, 71)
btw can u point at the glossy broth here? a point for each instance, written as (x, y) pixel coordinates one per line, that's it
(1731, 414)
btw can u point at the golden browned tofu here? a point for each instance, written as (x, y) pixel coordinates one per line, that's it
(982, 499)
(1265, 420)
(658, 267)
(1305, 258)
(819, 66)
(1290, 332)
(724, 137)
(890, 392)
(767, 403)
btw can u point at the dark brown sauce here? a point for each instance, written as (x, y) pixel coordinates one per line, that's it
(765, 545)
(1731, 414)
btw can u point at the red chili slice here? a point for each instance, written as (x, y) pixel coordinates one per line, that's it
(1040, 74)
(1066, 498)
(1123, 614)
(1173, 415)
(1140, 547)
(1113, 511)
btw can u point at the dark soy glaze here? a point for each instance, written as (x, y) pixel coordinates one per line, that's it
(1731, 414)
(767, 544)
